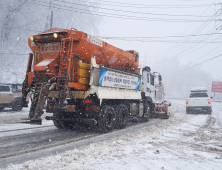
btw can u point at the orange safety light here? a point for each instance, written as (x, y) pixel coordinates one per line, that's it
(186, 101)
(88, 101)
(209, 101)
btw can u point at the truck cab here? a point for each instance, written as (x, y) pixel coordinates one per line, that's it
(148, 86)
(199, 101)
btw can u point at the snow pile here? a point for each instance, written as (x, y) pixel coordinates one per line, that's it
(182, 142)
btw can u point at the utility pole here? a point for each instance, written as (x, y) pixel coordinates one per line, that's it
(47, 25)
(51, 19)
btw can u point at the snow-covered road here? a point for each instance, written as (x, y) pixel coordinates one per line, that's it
(217, 112)
(183, 142)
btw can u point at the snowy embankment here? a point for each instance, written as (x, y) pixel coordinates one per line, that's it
(182, 142)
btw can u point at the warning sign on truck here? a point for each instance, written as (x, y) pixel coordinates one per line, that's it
(118, 80)
(217, 87)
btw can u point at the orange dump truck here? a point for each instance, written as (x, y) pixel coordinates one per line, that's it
(86, 81)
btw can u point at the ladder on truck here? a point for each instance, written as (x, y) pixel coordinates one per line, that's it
(37, 104)
(63, 75)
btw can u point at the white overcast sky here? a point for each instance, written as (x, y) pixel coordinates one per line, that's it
(201, 19)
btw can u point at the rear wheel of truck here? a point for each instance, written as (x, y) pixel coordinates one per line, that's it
(122, 117)
(16, 105)
(107, 118)
(67, 125)
(146, 114)
(56, 122)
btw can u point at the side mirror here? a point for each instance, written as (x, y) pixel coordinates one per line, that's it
(160, 77)
(211, 97)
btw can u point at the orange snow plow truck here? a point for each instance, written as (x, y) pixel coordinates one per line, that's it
(87, 82)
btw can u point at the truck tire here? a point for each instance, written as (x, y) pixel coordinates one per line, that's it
(106, 120)
(67, 125)
(122, 117)
(61, 124)
(146, 114)
(16, 105)
(56, 122)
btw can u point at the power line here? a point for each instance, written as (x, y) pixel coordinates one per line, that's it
(200, 48)
(151, 6)
(131, 11)
(207, 53)
(191, 46)
(116, 15)
(197, 30)
(204, 62)
(188, 47)
(193, 35)
(167, 41)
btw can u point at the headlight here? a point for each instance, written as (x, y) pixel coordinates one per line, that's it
(55, 35)
(31, 38)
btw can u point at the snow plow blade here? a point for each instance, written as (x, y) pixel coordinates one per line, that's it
(32, 121)
(161, 109)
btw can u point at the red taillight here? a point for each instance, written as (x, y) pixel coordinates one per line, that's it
(209, 101)
(52, 100)
(88, 101)
(186, 101)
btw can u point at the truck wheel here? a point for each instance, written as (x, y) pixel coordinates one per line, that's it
(56, 122)
(67, 125)
(107, 119)
(122, 116)
(16, 105)
(146, 111)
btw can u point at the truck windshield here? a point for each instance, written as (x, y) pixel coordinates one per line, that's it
(4, 88)
(198, 95)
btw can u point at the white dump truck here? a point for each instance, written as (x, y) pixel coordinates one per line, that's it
(88, 82)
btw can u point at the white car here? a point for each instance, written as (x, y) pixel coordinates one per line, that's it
(199, 101)
(11, 96)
